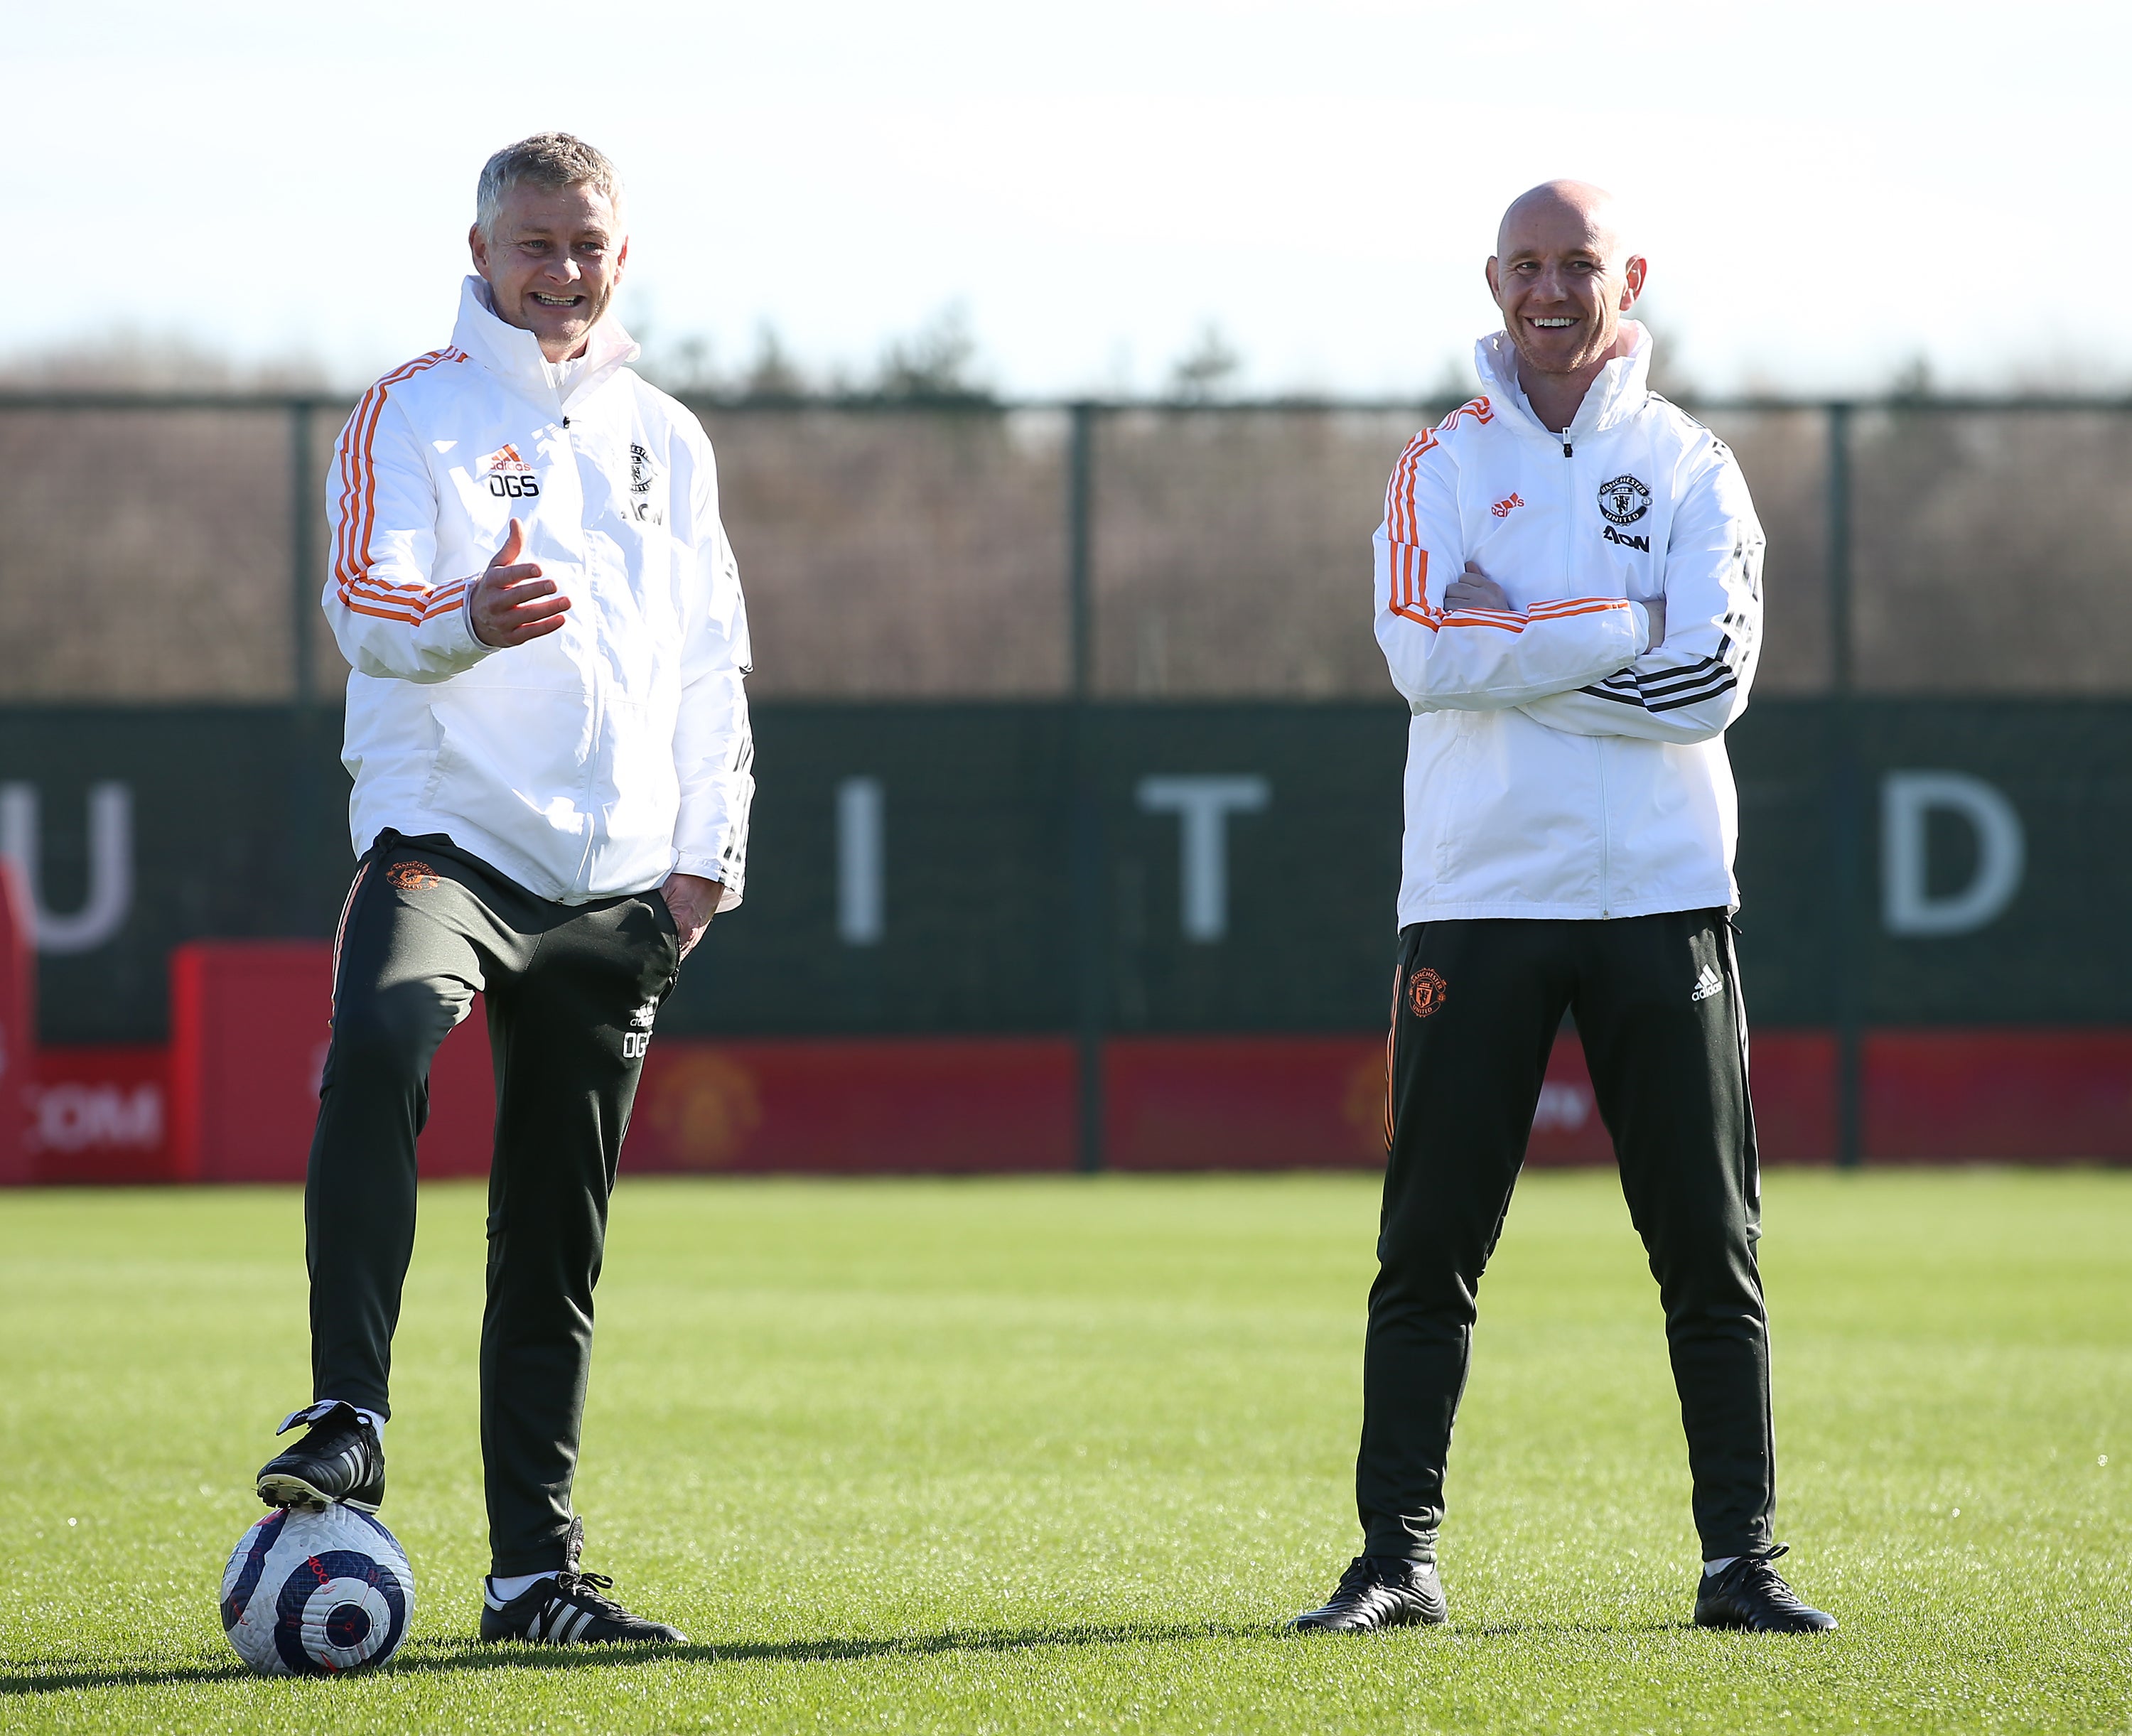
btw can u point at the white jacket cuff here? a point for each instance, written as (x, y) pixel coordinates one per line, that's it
(477, 646)
(710, 868)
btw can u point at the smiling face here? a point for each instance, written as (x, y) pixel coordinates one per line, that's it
(1564, 279)
(552, 260)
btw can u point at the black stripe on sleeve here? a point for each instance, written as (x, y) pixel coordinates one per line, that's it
(1725, 686)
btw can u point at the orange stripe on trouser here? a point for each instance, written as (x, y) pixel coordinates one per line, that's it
(340, 933)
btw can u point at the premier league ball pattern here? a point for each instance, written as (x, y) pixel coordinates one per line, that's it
(317, 1594)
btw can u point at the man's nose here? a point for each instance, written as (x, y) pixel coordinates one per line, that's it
(565, 270)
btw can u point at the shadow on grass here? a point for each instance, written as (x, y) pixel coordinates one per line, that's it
(436, 1656)
(1572, 1630)
(439, 1657)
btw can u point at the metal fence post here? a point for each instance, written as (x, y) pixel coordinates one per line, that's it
(303, 793)
(303, 541)
(1848, 840)
(1091, 949)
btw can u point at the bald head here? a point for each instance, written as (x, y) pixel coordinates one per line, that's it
(1560, 209)
(1563, 277)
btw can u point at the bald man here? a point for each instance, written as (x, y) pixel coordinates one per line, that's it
(1568, 593)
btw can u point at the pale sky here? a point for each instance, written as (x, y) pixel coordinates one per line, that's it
(1823, 190)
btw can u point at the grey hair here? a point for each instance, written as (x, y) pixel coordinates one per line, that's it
(549, 161)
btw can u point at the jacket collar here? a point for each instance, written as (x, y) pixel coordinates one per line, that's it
(513, 354)
(1621, 389)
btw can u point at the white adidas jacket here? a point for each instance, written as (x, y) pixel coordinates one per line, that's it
(1557, 766)
(596, 759)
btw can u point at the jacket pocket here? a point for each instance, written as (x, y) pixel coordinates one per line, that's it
(669, 934)
(503, 764)
(1448, 792)
(643, 789)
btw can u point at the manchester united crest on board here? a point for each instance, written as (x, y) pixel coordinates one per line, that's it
(413, 876)
(1425, 992)
(1623, 501)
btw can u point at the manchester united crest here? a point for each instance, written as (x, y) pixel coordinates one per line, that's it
(1425, 992)
(1623, 501)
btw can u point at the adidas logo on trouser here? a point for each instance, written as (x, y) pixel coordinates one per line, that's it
(1707, 984)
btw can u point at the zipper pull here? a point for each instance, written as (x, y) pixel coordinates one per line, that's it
(1568, 450)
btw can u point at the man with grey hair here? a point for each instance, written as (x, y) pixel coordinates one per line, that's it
(549, 736)
(1569, 594)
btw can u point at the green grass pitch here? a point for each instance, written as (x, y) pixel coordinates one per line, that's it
(1008, 1456)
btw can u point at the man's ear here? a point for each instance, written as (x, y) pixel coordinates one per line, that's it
(477, 246)
(1632, 280)
(1494, 289)
(621, 261)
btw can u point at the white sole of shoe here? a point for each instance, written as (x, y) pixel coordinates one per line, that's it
(283, 1489)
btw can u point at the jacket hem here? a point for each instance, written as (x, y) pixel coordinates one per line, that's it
(511, 864)
(1716, 899)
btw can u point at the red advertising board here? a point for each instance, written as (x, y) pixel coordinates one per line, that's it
(931, 1105)
(1243, 1102)
(235, 1096)
(1289, 1102)
(101, 1114)
(249, 1036)
(2018, 1097)
(249, 1027)
(249, 1022)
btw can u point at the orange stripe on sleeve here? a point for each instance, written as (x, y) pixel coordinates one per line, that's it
(1408, 587)
(357, 590)
(1563, 607)
(358, 516)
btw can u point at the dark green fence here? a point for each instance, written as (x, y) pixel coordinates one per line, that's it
(913, 870)
(1028, 613)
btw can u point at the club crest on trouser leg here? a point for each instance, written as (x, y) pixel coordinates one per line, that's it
(1426, 992)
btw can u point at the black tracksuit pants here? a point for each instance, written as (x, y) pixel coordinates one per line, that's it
(571, 993)
(1657, 1004)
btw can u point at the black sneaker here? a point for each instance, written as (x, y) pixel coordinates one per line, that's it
(571, 1609)
(1750, 1594)
(339, 1460)
(1379, 1591)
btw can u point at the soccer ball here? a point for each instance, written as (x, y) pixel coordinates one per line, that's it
(317, 1594)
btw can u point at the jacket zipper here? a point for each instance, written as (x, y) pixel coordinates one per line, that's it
(1599, 753)
(599, 666)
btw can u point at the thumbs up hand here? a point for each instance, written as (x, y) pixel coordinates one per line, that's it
(511, 602)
